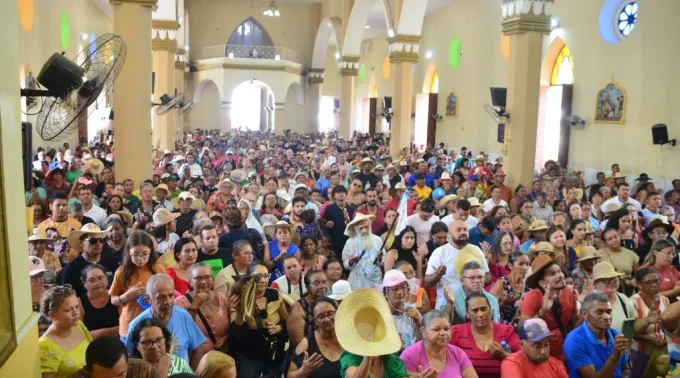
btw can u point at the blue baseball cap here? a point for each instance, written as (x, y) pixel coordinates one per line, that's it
(534, 329)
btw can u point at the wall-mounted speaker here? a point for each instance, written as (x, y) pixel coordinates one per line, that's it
(500, 138)
(27, 152)
(660, 135)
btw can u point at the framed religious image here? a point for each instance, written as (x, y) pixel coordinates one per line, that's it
(610, 105)
(452, 105)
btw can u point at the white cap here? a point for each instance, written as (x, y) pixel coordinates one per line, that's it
(341, 289)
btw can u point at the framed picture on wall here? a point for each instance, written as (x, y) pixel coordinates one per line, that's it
(452, 105)
(610, 104)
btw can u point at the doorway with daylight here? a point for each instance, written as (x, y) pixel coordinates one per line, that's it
(555, 101)
(425, 125)
(252, 106)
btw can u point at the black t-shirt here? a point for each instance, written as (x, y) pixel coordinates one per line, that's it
(72, 271)
(220, 260)
(111, 259)
(370, 178)
(185, 222)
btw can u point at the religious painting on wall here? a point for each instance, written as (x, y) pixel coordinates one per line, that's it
(611, 102)
(452, 105)
(30, 83)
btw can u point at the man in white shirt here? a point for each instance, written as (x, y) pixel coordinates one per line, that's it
(91, 210)
(495, 200)
(622, 198)
(441, 268)
(653, 203)
(422, 222)
(462, 213)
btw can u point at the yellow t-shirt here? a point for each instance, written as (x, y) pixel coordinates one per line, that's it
(423, 192)
(62, 363)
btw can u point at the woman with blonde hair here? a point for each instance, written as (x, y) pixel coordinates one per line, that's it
(216, 365)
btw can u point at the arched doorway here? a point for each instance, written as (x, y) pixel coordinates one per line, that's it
(252, 106)
(425, 125)
(207, 111)
(552, 136)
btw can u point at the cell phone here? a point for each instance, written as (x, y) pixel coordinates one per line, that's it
(628, 330)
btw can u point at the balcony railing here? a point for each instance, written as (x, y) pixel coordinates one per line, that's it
(249, 52)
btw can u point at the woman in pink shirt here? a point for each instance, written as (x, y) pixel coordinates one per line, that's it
(660, 257)
(434, 354)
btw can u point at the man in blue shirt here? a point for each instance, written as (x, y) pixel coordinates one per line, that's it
(472, 282)
(484, 232)
(422, 168)
(186, 334)
(594, 349)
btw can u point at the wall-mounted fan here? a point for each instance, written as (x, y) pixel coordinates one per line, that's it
(168, 103)
(73, 86)
(575, 122)
(497, 113)
(185, 107)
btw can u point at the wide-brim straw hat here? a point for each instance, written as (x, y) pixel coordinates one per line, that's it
(391, 166)
(91, 229)
(604, 270)
(226, 182)
(466, 255)
(358, 218)
(579, 193)
(186, 196)
(364, 324)
(446, 199)
(367, 160)
(588, 253)
(543, 247)
(474, 202)
(238, 175)
(538, 225)
(538, 266)
(163, 216)
(94, 166)
(39, 235)
(271, 229)
(655, 222)
(163, 187)
(612, 207)
(400, 186)
(445, 176)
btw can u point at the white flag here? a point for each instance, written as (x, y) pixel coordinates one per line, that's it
(402, 211)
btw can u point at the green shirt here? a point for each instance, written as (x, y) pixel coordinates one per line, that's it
(71, 176)
(394, 366)
(174, 194)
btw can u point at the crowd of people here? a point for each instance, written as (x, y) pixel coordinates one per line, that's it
(305, 255)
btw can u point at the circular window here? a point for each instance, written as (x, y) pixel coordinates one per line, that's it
(627, 18)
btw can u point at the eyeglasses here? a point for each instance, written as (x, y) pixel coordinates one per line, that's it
(475, 278)
(609, 281)
(319, 283)
(334, 269)
(159, 343)
(203, 278)
(95, 240)
(652, 282)
(672, 254)
(140, 255)
(321, 317)
(247, 254)
(663, 233)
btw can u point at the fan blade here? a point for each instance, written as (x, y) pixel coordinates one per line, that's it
(187, 107)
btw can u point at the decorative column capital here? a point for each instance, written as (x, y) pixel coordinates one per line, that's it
(315, 75)
(524, 16)
(404, 48)
(164, 35)
(180, 58)
(349, 66)
(165, 24)
(146, 3)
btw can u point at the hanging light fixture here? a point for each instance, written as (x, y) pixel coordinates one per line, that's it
(272, 10)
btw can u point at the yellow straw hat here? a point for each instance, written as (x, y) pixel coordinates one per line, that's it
(364, 325)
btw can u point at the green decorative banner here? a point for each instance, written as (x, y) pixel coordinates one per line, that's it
(65, 30)
(455, 53)
(362, 73)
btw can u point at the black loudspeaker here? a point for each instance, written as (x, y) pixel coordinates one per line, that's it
(27, 152)
(660, 134)
(387, 102)
(500, 138)
(498, 96)
(153, 82)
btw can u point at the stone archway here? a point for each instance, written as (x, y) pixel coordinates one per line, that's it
(329, 27)
(207, 111)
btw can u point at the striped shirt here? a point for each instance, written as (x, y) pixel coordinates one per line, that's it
(653, 330)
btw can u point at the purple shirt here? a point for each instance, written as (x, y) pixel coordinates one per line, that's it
(456, 360)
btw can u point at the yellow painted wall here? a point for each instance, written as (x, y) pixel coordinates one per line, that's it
(214, 21)
(37, 45)
(23, 362)
(331, 80)
(373, 55)
(207, 112)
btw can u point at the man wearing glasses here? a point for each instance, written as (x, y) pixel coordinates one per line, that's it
(472, 282)
(89, 242)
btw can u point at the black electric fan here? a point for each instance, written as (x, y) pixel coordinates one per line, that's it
(185, 107)
(176, 101)
(75, 88)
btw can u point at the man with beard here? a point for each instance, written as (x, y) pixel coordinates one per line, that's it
(90, 242)
(622, 197)
(371, 207)
(63, 224)
(361, 254)
(423, 221)
(594, 349)
(337, 215)
(187, 337)
(302, 191)
(472, 282)
(300, 321)
(548, 300)
(534, 361)
(367, 178)
(443, 265)
(299, 205)
(210, 252)
(90, 209)
(129, 198)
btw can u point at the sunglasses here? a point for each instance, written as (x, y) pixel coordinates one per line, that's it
(95, 240)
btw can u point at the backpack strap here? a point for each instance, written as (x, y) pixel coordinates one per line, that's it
(211, 335)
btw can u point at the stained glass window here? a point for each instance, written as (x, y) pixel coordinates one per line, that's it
(563, 70)
(250, 33)
(627, 18)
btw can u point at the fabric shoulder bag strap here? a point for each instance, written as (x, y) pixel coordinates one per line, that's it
(623, 305)
(211, 335)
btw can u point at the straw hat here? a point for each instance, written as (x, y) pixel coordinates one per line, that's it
(341, 289)
(186, 196)
(579, 193)
(446, 199)
(282, 194)
(238, 175)
(390, 166)
(604, 270)
(480, 157)
(445, 176)
(612, 207)
(538, 225)
(466, 255)
(163, 187)
(298, 174)
(163, 216)
(619, 175)
(364, 325)
(544, 247)
(538, 266)
(215, 214)
(167, 152)
(400, 186)
(90, 229)
(226, 182)
(367, 160)
(35, 266)
(588, 253)
(271, 229)
(358, 218)
(39, 235)
(403, 163)
(126, 216)
(94, 166)
(474, 202)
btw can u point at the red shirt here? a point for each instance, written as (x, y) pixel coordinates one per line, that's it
(517, 366)
(533, 300)
(394, 204)
(181, 286)
(379, 220)
(669, 277)
(484, 363)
